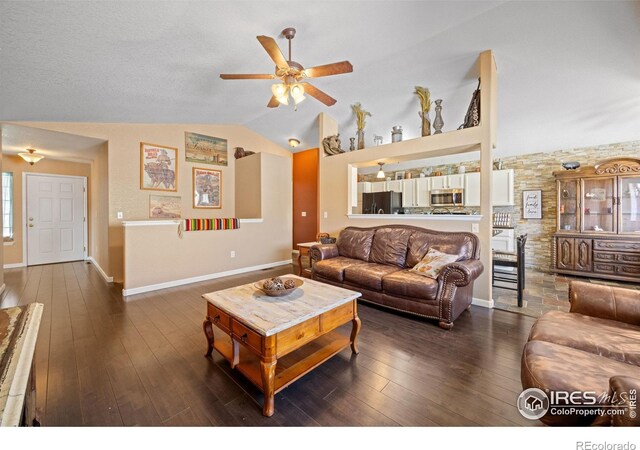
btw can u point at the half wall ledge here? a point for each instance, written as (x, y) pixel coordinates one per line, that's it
(425, 217)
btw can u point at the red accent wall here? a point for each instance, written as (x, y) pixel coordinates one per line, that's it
(305, 195)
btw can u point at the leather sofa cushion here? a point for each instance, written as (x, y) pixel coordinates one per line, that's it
(368, 275)
(355, 244)
(608, 338)
(551, 366)
(451, 243)
(333, 268)
(410, 284)
(390, 246)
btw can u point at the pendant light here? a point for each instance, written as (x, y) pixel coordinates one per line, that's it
(380, 172)
(30, 157)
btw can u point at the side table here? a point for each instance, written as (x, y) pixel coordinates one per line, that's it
(303, 250)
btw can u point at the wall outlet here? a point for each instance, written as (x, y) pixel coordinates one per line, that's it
(304, 214)
(233, 254)
(326, 215)
(119, 215)
(475, 228)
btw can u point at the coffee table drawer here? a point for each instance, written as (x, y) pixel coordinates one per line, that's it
(246, 335)
(336, 317)
(297, 336)
(219, 318)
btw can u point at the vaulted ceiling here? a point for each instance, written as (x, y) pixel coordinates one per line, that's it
(569, 72)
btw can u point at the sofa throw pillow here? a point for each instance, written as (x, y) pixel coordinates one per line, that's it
(433, 262)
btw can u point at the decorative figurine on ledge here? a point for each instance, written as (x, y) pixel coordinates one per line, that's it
(438, 123)
(425, 106)
(361, 116)
(352, 144)
(377, 139)
(331, 145)
(241, 153)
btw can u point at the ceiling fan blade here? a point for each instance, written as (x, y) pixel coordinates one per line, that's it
(273, 103)
(329, 69)
(318, 94)
(273, 50)
(246, 76)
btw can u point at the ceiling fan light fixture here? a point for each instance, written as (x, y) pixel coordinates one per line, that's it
(31, 156)
(281, 92)
(380, 172)
(297, 93)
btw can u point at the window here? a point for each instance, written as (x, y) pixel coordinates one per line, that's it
(7, 206)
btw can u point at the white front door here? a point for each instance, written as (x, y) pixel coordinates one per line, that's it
(55, 218)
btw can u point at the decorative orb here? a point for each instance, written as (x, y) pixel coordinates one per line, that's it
(268, 285)
(289, 284)
(571, 165)
(279, 285)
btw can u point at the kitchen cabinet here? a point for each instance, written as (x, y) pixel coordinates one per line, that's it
(447, 182)
(363, 187)
(415, 193)
(378, 186)
(472, 189)
(394, 185)
(502, 188)
(598, 220)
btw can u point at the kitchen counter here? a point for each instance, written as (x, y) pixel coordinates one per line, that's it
(426, 217)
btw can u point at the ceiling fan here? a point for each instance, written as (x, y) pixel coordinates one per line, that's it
(291, 74)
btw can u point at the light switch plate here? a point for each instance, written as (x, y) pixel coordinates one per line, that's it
(475, 228)
(326, 215)
(119, 215)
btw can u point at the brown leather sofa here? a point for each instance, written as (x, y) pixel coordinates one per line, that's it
(376, 261)
(593, 348)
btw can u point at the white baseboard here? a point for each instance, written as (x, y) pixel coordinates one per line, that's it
(482, 302)
(211, 276)
(2, 288)
(104, 275)
(14, 265)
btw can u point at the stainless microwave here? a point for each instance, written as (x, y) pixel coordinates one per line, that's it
(447, 197)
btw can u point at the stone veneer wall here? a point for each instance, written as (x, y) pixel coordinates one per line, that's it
(535, 171)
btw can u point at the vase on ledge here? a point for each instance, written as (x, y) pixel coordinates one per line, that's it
(438, 123)
(360, 139)
(426, 123)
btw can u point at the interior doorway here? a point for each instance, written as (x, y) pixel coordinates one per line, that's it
(305, 196)
(55, 218)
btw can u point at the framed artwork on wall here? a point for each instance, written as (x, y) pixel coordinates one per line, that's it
(207, 188)
(158, 167)
(400, 175)
(165, 207)
(202, 149)
(532, 204)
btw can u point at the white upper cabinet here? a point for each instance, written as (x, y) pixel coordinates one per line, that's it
(364, 187)
(395, 185)
(502, 188)
(447, 182)
(378, 186)
(408, 193)
(422, 192)
(472, 189)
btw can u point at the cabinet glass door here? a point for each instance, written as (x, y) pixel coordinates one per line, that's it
(568, 205)
(629, 205)
(598, 205)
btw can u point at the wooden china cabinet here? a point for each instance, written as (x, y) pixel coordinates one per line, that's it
(598, 221)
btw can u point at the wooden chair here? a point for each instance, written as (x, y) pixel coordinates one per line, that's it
(511, 259)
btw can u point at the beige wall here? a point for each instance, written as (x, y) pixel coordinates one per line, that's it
(99, 212)
(124, 170)
(155, 254)
(17, 166)
(1, 247)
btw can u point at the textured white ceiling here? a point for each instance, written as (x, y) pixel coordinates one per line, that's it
(569, 72)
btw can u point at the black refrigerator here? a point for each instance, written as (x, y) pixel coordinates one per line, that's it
(381, 202)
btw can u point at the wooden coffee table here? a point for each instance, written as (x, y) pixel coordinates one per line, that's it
(267, 333)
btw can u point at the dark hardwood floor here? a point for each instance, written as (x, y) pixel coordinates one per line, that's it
(103, 360)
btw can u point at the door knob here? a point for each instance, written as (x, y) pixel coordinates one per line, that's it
(31, 225)
(30, 219)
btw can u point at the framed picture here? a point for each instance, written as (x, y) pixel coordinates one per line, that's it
(158, 167)
(202, 149)
(400, 175)
(532, 204)
(165, 207)
(207, 188)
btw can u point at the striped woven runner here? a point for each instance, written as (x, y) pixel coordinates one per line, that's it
(207, 224)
